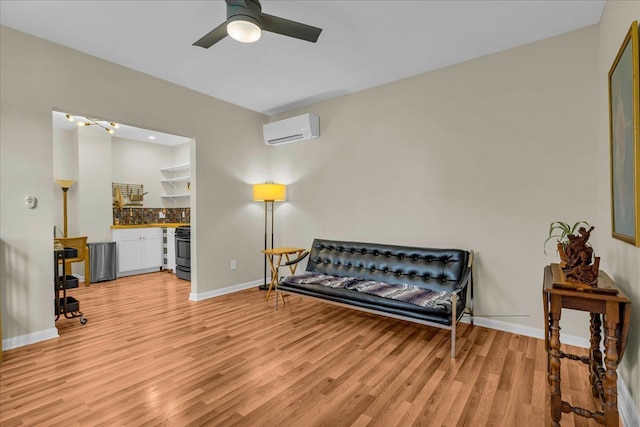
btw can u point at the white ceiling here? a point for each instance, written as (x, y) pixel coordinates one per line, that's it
(363, 43)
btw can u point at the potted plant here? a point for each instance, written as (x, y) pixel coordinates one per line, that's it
(561, 232)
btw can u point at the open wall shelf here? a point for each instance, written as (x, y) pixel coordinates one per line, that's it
(176, 181)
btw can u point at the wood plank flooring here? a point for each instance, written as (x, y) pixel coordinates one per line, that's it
(149, 357)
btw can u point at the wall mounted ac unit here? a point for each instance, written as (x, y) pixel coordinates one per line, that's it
(294, 129)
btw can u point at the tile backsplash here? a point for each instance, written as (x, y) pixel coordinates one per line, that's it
(127, 216)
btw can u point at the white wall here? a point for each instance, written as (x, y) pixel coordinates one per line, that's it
(482, 156)
(136, 162)
(79, 155)
(65, 166)
(94, 186)
(37, 77)
(619, 259)
(181, 154)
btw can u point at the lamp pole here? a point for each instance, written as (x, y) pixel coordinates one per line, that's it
(64, 210)
(65, 184)
(265, 286)
(264, 270)
(272, 215)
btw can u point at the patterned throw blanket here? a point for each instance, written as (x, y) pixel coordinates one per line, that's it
(406, 293)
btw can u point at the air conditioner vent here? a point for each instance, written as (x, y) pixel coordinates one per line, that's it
(284, 139)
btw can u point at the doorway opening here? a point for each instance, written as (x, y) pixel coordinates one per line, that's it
(121, 178)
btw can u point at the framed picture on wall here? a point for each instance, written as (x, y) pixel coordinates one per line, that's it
(624, 132)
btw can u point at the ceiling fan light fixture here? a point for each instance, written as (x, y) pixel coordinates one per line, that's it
(242, 29)
(246, 22)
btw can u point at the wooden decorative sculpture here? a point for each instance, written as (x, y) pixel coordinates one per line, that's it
(578, 256)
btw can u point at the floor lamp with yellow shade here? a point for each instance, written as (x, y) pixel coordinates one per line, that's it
(268, 193)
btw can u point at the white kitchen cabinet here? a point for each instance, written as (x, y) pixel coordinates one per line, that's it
(139, 250)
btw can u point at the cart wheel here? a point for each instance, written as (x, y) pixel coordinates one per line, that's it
(83, 320)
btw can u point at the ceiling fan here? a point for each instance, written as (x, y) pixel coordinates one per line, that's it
(245, 23)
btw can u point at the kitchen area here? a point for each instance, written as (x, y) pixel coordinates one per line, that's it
(129, 195)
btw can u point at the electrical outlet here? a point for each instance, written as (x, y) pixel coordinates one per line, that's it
(233, 264)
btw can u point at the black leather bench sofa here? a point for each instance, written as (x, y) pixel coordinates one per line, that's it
(444, 274)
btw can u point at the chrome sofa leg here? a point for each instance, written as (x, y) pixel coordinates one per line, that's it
(454, 322)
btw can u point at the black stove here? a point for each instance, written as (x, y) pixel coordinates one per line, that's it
(183, 252)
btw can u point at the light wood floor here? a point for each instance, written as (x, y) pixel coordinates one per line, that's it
(148, 356)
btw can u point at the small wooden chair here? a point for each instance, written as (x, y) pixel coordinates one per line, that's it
(80, 243)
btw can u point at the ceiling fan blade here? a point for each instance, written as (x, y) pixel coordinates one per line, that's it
(294, 29)
(213, 36)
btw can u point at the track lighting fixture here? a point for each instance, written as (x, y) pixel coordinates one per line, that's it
(88, 121)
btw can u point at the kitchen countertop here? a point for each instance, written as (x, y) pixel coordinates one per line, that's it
(156, 225)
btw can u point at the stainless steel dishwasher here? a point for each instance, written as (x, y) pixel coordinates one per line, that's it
(102, 258)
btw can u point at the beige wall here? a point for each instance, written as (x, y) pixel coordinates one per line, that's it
(37, 77)
(621, 260)
(482, 156)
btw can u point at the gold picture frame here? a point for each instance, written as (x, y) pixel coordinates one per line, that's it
(624, 136)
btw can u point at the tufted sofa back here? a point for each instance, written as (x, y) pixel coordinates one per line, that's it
(437, 269)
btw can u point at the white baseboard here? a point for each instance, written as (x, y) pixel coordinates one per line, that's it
(224, 291)
(626, 405)
(32, 338)
(136, 272)
(525, 330)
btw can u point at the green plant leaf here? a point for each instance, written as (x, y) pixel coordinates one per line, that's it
(562, 230)
(577, 225)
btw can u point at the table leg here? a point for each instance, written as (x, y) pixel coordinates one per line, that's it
(554, 361)
(547, 313)
(595, 354)
(292, 268)
(611, 416)
(273, 274)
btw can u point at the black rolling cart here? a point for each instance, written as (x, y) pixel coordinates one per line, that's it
(65, 305)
